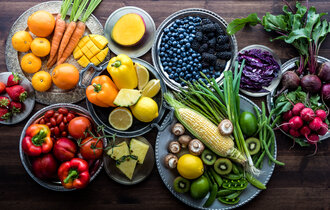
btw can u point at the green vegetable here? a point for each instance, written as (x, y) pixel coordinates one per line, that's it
(224, 192)
(248, 123)
(239, 184)
(235, 169)
(228, 201)
(212, 196)
(216, 177)
(255, 182)
(234, 195)
(233, 176)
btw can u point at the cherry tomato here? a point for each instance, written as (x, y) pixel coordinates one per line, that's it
(56, 115)
(42, 121)
(56, 131)
(78, 126)
(64, 149)
(64, 134)
(69, 117)
(62, 126)
(59, 119)
(91, 148)
(64, 120)
(49, 113)
(53, 121)
(63, 111)
(49, 124)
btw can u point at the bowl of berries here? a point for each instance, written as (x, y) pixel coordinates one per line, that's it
(190, 44)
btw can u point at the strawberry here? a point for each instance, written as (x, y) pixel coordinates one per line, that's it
(4, 114)
(16, 107)
(17, 93)
(4, 101)
(2, 87)
(13, 79)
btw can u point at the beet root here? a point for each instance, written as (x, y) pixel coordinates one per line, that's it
(311, 83)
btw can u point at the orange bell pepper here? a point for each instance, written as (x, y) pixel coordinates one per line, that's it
(102, 92)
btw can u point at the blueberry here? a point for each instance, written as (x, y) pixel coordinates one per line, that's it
(217, 73)
(199, 57)
(178, 51)
(190, 58)
(211, 68)
(172, 29)
(175, 25)
(180, 61)
(181, 74)
(177, 21)
(175, 75)
(190, 50)
(191, 62)
(194, 73)
(194, 55)
(177, 79)
(191, 27)
(166, 46)
(197, 77)
(190, 18)
(163, 58)
(183, 84)
(195, 64)
(170, 64)
(188, 67)
(172, 38)
(181, 36)
(184, 69)
(184, 54)
(204, 71)
(166, 30)
(189, 75)
(174, 43)
(190, 39)
(196, 60)
(199, 66)
(173, 68)
(182, 49)
(165, 63)
(170, 52)
(179, 65)
(168, 59)
(188, 45)
(174, 54)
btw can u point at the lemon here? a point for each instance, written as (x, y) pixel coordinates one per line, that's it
(145, 110)
(142, 75)
(121, 118)
(190, 166)
(152, 88)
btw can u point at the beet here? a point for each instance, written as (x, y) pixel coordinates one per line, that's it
(323, 130)
(315, 124)
(289, 80)
(296, 122)
(324, 72)
(326, 93)
(287, 115)
(321, 114)
(311, 83)
(307, 114)
(297, 109)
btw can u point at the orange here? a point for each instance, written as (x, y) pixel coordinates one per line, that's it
(41, 81)
(21, 41)
(41, 23)
(65, 76)
(40, 47)
(30, 63)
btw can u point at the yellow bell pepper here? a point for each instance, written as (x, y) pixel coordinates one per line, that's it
(122, 71)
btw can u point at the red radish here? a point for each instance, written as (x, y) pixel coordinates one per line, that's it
(305, 131)
(313, 139)
(297, 109)
(287, 115)
(4, 101)
(315, 124)
(4, 114)
(16, 107)
(2, 87)
(17, 93)
(294, 133)
(321, 114)
(307, 114)
(13, 79)
(323, 130)
(285, 127)
(296, 122)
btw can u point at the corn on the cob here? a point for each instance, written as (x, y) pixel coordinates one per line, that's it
(206, 131)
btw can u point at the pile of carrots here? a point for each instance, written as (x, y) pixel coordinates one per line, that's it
(67, 35)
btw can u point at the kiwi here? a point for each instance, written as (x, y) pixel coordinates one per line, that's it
(181, 185)
(208, 157)
(223, 166)
(253, 145)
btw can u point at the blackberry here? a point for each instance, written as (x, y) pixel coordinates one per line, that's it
(211, 51)
(208, 27)
(199, 36)
(205, 39)
(210, 35)
(195, 45)
(219, 66)
(212, 42)
(205, 64)
(206, 21)
(218, 29)
(223, 55)
(222, 39)
(203, 48)
(210, 58)
(222, 47)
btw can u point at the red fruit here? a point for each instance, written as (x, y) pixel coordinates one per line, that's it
(315, 124)
(64, 149)
(4, 101)
(91, 148)
(287, 115)
(45, 167)
(16, 107)
(285, 127)
(78, 127)
(323, 130)
(321, 114)
(4, 114)
(307, 114)
(13, 79)
(17, 93)
(2, 87)
(297, 109)
(63, 111)
(296, 122)
(294, 133)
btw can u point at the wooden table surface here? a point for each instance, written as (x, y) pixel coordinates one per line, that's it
(302, 184)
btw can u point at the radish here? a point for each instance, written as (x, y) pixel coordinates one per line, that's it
(321, 114)
(313, 139)
(307, 114)
(315, 124)
(323, 130)
(294, 133)
(297, 109)
(285, 127)
(287, 115)
(296, 122)
(305, 131)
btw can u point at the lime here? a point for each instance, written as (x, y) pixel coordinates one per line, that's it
(142, 75)
(152, 88)
(199, 188)
(248, 123)
(121, 118)
(145, 110)
(190, 166)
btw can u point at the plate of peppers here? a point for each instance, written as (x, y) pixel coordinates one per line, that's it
(61, 147)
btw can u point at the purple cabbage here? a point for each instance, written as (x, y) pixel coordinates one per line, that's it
(259, 70)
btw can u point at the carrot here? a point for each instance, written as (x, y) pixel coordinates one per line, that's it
(58, 32)
(78, 32)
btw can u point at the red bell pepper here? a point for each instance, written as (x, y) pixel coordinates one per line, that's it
(74, 173)
(37, 140)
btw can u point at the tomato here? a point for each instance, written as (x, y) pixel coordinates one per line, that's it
(248, 123)
(199, 188)
(64, 149)
(78, 126)
(91, 148)
(44, 167)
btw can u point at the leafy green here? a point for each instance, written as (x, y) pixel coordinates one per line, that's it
(238, 24)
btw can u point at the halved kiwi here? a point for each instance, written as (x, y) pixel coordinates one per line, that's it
(253, 145)
(208, 157)
(223, 166)
(181, 185)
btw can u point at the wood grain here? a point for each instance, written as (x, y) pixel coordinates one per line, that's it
(302, 184)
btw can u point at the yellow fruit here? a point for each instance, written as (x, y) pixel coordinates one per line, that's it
(91, 49)
(145, 110)
(21, 41)
(30, 63)
(41, 81)
(152, 88)
(40, 47)
(190, 166)
(142, 75)
(121, 118)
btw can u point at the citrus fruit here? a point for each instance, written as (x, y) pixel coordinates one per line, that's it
(30, 63)
(41, 23)
(41, 81)
(190, 166)
(152, 88)
(121, 118)
(21, 41)
(142, 75)
(40, 47)
(65, 76)
(145, 110)
(199, 188)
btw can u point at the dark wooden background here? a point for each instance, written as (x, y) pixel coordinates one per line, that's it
(302, 184)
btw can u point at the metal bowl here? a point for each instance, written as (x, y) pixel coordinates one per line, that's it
(55, 184)
(291, 64)
(100, 114)
(203, 13)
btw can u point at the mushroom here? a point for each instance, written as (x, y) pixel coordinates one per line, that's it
(184, 140)
(226, 127)
(174, 147)
(196, 147)
(171, 161)
(178, 129)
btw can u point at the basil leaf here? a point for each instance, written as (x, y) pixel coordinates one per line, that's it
(238, 24)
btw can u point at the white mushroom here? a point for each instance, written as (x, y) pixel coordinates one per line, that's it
(196, 147)
(226, 127)
(178, 129)
(174, 147)
(184, 140)
(171, 161)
